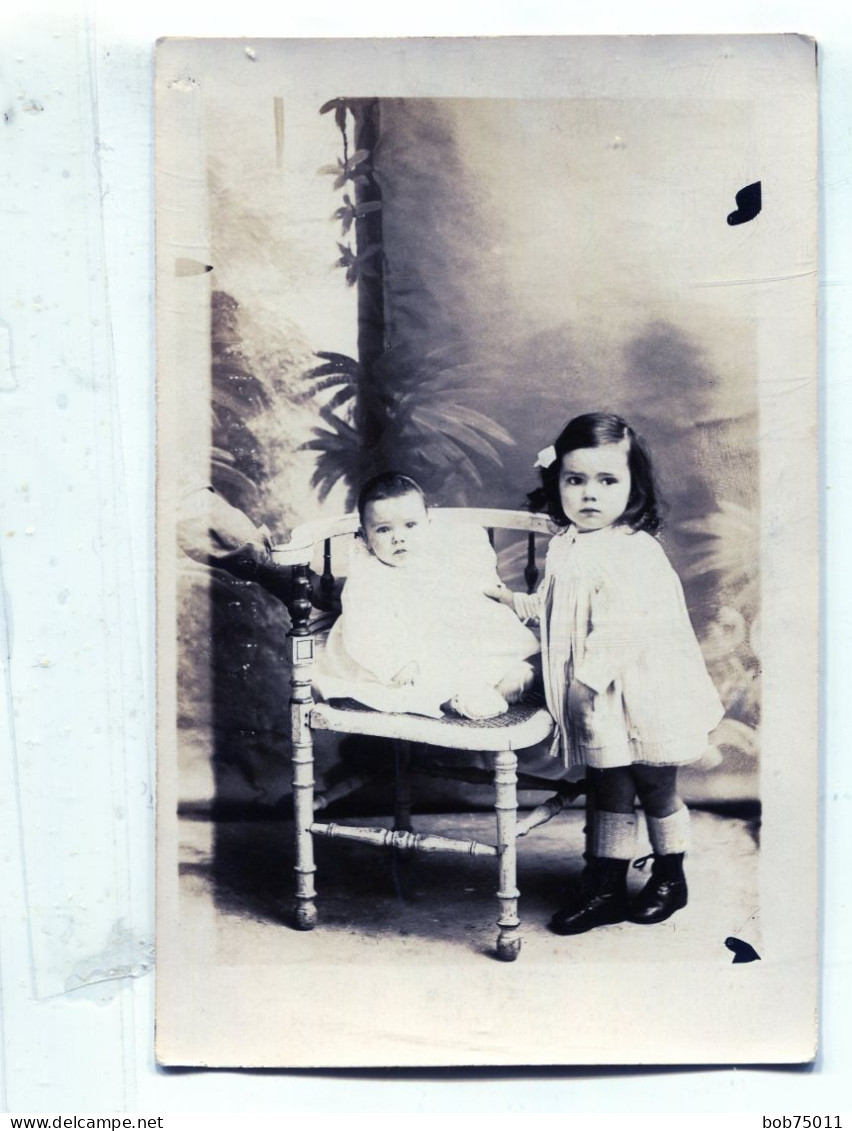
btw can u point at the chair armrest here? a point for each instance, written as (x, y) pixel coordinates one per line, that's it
(493, 518)
(299, 548)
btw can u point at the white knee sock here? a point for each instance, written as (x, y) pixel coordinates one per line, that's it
(670, 835)
(614, 835)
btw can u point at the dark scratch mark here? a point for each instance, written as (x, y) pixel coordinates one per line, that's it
(749, 203)
(743, 951)
(191, 267)
(185, 84)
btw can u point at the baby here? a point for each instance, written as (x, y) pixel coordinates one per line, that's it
(417, 633)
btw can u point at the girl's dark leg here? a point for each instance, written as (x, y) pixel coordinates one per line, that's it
(668, 830)
(657, 789)
(614, 790)
(610, 846)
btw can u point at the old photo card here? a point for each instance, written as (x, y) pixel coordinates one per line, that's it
(425, 257)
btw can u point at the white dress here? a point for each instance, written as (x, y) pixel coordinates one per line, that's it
(434, 613)
(624, 675)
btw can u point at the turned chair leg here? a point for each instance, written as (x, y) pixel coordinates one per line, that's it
(304, 910)
(401, 811)
(402, 792)
(301, 654)
(506, 807)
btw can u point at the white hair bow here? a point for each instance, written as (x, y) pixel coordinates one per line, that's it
(545, 457)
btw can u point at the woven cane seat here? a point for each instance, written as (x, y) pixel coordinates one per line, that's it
(524, 724)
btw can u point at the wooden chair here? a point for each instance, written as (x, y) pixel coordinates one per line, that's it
(525, 725)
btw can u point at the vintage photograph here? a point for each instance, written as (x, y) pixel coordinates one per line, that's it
(487, 562)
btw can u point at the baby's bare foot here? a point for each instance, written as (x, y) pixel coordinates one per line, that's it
(479, 703)
(516, 681)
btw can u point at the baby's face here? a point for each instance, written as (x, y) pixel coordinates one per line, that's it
(395, 529)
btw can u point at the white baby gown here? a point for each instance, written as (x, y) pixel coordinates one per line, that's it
(614, 618)
(432, 612)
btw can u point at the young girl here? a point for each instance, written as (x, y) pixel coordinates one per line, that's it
(624, 675)
(417, 633)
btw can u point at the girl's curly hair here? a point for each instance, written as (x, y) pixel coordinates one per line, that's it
(644, 509)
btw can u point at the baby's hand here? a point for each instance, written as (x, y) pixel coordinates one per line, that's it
(407, 675)
(526, 605)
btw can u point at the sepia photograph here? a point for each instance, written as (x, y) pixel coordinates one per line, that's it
(487, 568)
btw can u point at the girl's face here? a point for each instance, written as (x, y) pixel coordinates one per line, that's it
(594, 486)
(394, 529)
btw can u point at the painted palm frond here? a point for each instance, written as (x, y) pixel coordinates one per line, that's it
(339, 106)
(340, 451)
(239, 396)
(320, 372)
(331, 468)
(230, 398)
(340, 397)
(254, 391)
(335, 363)
(473, 419)
(232, 483)
(444, 422)
(322, 386)
(400, 404)
(358, 264)
(438, 453)
(348, 213)
(338, 424)
(410, 407)
(352, 169)
(338, 371)
(727, 542)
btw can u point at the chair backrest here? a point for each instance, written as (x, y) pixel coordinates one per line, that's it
(301, 547)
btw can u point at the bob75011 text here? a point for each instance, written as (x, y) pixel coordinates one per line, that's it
(806, 1122)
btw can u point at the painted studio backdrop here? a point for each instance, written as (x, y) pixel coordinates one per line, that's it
(437, 285)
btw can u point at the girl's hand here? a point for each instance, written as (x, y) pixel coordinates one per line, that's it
(500, 592)
(581, 700)
(526, 605)
(407, 675)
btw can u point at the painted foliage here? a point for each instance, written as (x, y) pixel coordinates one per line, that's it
(509, 265)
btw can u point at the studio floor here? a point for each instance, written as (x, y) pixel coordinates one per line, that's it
(380, 907)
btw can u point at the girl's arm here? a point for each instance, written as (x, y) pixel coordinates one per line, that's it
(479, 562)
(634, 609)
(527, 606)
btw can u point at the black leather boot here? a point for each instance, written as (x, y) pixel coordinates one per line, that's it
(664, 893)
(601, 900)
